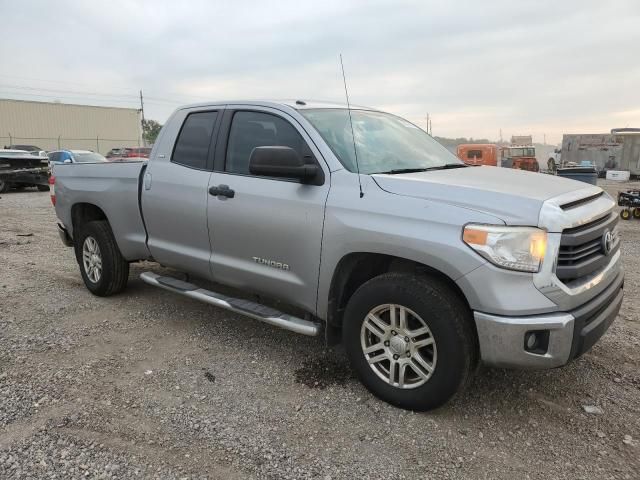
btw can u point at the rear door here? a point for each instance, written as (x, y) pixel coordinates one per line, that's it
(174, 193)
(267, 237)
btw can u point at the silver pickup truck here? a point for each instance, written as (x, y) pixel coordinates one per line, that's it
(420, 265)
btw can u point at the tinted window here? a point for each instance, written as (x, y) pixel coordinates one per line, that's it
(54, 157)
(474, 154)
(253, 129)
(192, 146)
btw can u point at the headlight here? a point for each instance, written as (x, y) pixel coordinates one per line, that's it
(515, 248)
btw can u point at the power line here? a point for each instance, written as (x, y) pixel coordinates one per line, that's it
(66, 82)
(132, 101)
(20, 87)
(166, 97)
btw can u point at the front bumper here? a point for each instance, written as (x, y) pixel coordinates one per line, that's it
(567, 334)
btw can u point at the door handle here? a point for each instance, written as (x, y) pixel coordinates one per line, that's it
(222, 191)
(147, 181)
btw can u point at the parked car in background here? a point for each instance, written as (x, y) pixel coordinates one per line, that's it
(142, 152)
(32, 149)
(20, 169)
(26, 148)
(128, 154)
(116, 152)
(74, 156)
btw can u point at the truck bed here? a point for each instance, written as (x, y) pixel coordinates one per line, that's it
(112, 187)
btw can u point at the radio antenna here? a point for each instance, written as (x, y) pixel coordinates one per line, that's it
(353, 136)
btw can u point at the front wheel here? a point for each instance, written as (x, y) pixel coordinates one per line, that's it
(102, 266)
(409, 339)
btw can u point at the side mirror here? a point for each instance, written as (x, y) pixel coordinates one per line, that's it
(68, 160)
(283, 162)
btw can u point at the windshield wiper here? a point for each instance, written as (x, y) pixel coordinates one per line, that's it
(403, 170)
(447, 166)
(424, 169)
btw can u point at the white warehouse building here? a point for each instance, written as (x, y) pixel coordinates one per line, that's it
(53, 126)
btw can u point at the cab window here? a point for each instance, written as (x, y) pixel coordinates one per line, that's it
(257, 129)
(192, 145)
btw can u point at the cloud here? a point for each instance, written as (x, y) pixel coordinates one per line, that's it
(477, 67)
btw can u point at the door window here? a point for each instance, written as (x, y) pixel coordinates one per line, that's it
(256, 129)
(192, 146)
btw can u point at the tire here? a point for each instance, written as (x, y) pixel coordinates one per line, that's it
(4, 186)
(428, 302)
(625, 214)
(42, 188)
(636, 212)
(96, 242)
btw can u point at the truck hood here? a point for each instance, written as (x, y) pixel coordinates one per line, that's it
(514, 196)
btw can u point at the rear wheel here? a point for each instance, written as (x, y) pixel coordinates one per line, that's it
(102, 266)
(4, 186)
(43, 188)
(636, 212)
(625, 214)
(410, 340)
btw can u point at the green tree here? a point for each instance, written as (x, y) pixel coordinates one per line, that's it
(150, 131)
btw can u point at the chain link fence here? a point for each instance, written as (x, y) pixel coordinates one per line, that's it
(96, 144)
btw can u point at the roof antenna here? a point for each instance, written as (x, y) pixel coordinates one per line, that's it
(355, 150)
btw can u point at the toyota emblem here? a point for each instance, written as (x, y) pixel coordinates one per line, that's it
(607, 242)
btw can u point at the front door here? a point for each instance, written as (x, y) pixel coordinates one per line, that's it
(266, 235)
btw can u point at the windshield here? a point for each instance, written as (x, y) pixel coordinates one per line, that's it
(384, 142)
(89, 157)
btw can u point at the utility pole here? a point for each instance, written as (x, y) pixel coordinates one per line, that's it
(431, 126)
(427, 122)
(141, 105)
(142, 120)
(544, 138)
(500, 135)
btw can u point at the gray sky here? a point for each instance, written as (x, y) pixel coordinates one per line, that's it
(526, 67)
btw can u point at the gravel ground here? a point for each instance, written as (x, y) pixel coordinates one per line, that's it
(147, 384)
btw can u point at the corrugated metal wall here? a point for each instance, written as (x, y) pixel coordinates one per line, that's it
(58, 125)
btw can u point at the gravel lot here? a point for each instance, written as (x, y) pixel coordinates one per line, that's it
(147, 384)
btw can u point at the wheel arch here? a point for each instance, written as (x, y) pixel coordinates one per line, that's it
(84, 212)
(356, 268)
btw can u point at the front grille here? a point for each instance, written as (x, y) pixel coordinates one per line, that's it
(582, 248)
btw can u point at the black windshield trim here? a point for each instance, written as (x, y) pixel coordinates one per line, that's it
(418, 170)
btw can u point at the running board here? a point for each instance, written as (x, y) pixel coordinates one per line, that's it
(245, 307)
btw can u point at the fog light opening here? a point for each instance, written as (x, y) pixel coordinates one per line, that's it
(536, 341)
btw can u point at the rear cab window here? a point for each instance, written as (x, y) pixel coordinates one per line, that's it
(194, 140)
